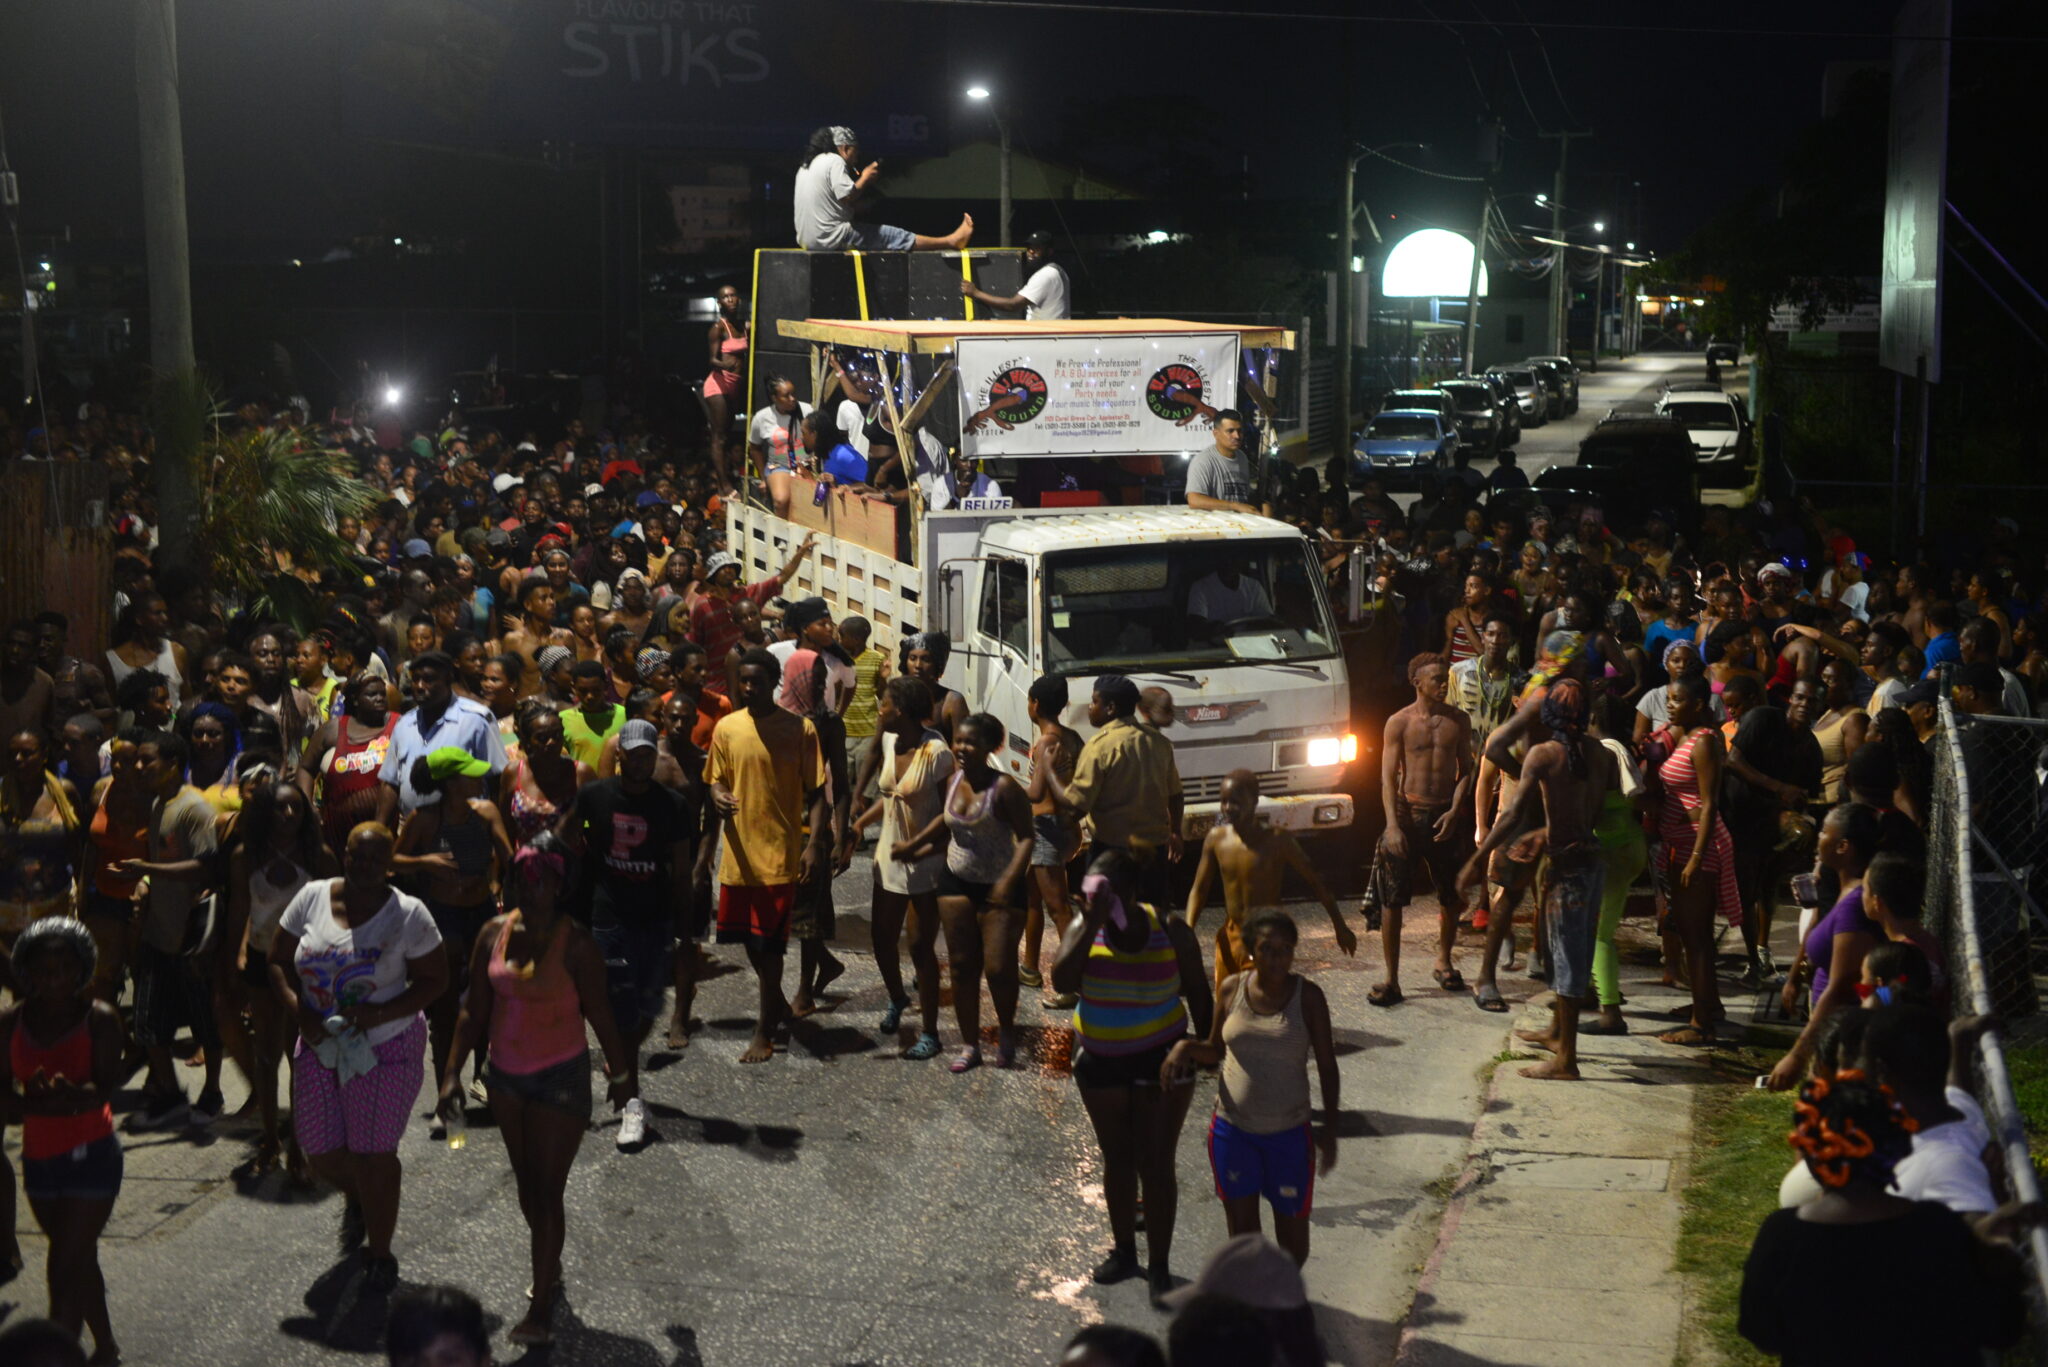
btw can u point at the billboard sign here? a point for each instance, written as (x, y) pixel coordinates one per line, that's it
(1916, 191)
(1144, 394)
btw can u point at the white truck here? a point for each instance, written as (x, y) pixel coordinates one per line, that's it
(1225, 610)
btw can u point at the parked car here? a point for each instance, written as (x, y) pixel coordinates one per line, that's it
(1476, 417)
(1724, 351)
(1432, 398)
(1568, 371)
(1509, 407)
(1529, 393)
(1547, 374)
(1715, 423)
(1630, 466)
(1402, 440)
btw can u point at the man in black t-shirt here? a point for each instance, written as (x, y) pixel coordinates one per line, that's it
(1773, 767)
(634, 837)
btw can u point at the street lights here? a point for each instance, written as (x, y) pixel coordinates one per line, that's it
(1348, 264)
(982, 94)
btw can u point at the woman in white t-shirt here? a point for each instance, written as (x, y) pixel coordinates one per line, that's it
(357, 949)
(775, 440)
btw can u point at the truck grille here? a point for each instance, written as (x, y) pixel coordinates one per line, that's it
(1210, 789)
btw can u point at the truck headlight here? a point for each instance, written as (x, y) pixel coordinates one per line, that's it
(1324, 751)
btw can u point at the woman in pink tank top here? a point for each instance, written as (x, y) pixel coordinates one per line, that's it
(535, 978)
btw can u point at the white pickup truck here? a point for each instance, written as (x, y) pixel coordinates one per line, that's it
(1225, 610)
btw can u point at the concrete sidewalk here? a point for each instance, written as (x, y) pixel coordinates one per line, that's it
(1557, 1244)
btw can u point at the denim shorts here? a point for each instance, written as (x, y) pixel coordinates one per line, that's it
(637, 971)
(90, 1172)
(1053, 845)
(565, 1086)
(879, 237)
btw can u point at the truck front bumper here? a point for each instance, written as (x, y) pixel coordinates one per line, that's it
(1301, 813)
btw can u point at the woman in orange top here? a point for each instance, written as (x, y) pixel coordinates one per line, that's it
(119, 832)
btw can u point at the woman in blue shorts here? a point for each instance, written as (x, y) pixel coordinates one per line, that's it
(1268, 1021)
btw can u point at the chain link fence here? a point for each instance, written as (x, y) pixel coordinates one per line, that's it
(1987, 836)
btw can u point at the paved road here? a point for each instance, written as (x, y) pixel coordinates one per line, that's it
(837, 1205)
(1639, 379)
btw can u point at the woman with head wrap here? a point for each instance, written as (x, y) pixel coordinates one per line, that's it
(1806, 1287)
(536, 978)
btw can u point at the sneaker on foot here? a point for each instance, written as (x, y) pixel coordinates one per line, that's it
(205, 1111)
(1120, 1265)
(632, 1125)
(159, 1112)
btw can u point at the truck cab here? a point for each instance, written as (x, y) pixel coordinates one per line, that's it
(1226, 611)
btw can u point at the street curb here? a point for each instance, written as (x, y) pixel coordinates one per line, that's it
(1470, 1179)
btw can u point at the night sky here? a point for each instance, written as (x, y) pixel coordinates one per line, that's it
(289, 106)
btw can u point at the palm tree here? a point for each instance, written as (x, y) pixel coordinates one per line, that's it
(268, 510)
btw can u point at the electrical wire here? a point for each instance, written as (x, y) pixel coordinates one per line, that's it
(1543, 50)
(1564, 26)
(1508, 51)
(1465, 51)
(1420, 171)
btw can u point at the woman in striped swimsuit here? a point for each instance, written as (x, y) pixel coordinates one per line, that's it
(1133, 969)
(1698, 869)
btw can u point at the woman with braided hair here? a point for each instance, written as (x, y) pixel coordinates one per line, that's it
(1812, 1269)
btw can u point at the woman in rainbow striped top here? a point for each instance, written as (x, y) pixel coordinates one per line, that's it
(1140, 981)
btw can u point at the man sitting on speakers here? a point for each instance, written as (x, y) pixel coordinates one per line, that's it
(828, 193)
(1045, 290)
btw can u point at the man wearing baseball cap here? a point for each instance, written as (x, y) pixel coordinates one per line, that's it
(711, 621)
(634, 836)
(828, 192)
(1046, 288)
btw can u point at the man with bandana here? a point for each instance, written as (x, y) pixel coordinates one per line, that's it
(1565, 779)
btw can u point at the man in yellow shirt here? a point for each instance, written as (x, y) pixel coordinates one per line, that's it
(1126, 783)
(767, 780)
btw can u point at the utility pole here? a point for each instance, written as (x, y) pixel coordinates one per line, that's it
(1003, 176)
(179, 403)
(1472, 284)
(1559, 293)
(1346, 244)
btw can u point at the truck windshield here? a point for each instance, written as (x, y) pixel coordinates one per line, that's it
(1184, 604)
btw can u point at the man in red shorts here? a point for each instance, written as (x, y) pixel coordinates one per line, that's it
(767, 779)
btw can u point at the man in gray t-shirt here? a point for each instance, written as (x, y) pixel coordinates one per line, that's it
(1221, 477)
(827, 191)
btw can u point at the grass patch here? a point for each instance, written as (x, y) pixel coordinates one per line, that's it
(1739, 1156)
(2028, 1065)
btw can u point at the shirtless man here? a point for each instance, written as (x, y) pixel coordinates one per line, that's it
(633, 609)
(80, 685)
(26, 693)
(1251, 859)
(534, 630)
(1566, 779)
(1425, 781)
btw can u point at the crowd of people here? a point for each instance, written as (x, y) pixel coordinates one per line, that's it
(539, 744)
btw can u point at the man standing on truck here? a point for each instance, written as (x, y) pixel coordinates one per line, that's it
(1221, 477)
(1044, 293)
(1425, 781)
(1125, 781)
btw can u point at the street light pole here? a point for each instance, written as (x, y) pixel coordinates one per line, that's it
(1472, 284)
(1347, 242)
(1003, 132)
(1559, 332)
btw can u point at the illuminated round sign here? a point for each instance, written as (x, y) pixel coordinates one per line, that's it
(1434, 261)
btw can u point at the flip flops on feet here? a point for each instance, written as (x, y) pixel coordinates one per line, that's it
(1487, 997)
(1030, 977)
(927, 1046)
(1449, 979)
(966, 1059)
(893, 1017)
(1689, 1037)
(1386, 994)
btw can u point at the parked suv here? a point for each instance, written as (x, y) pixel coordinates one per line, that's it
(1477, 418)
(1530, 395)
(1509, 407)
(1568, 371)
(1431, 398)
(1555, 387)
(1723, 351)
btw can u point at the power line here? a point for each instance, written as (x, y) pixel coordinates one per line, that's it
(1440, 175)
(1543, 50)
(1659, 30)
